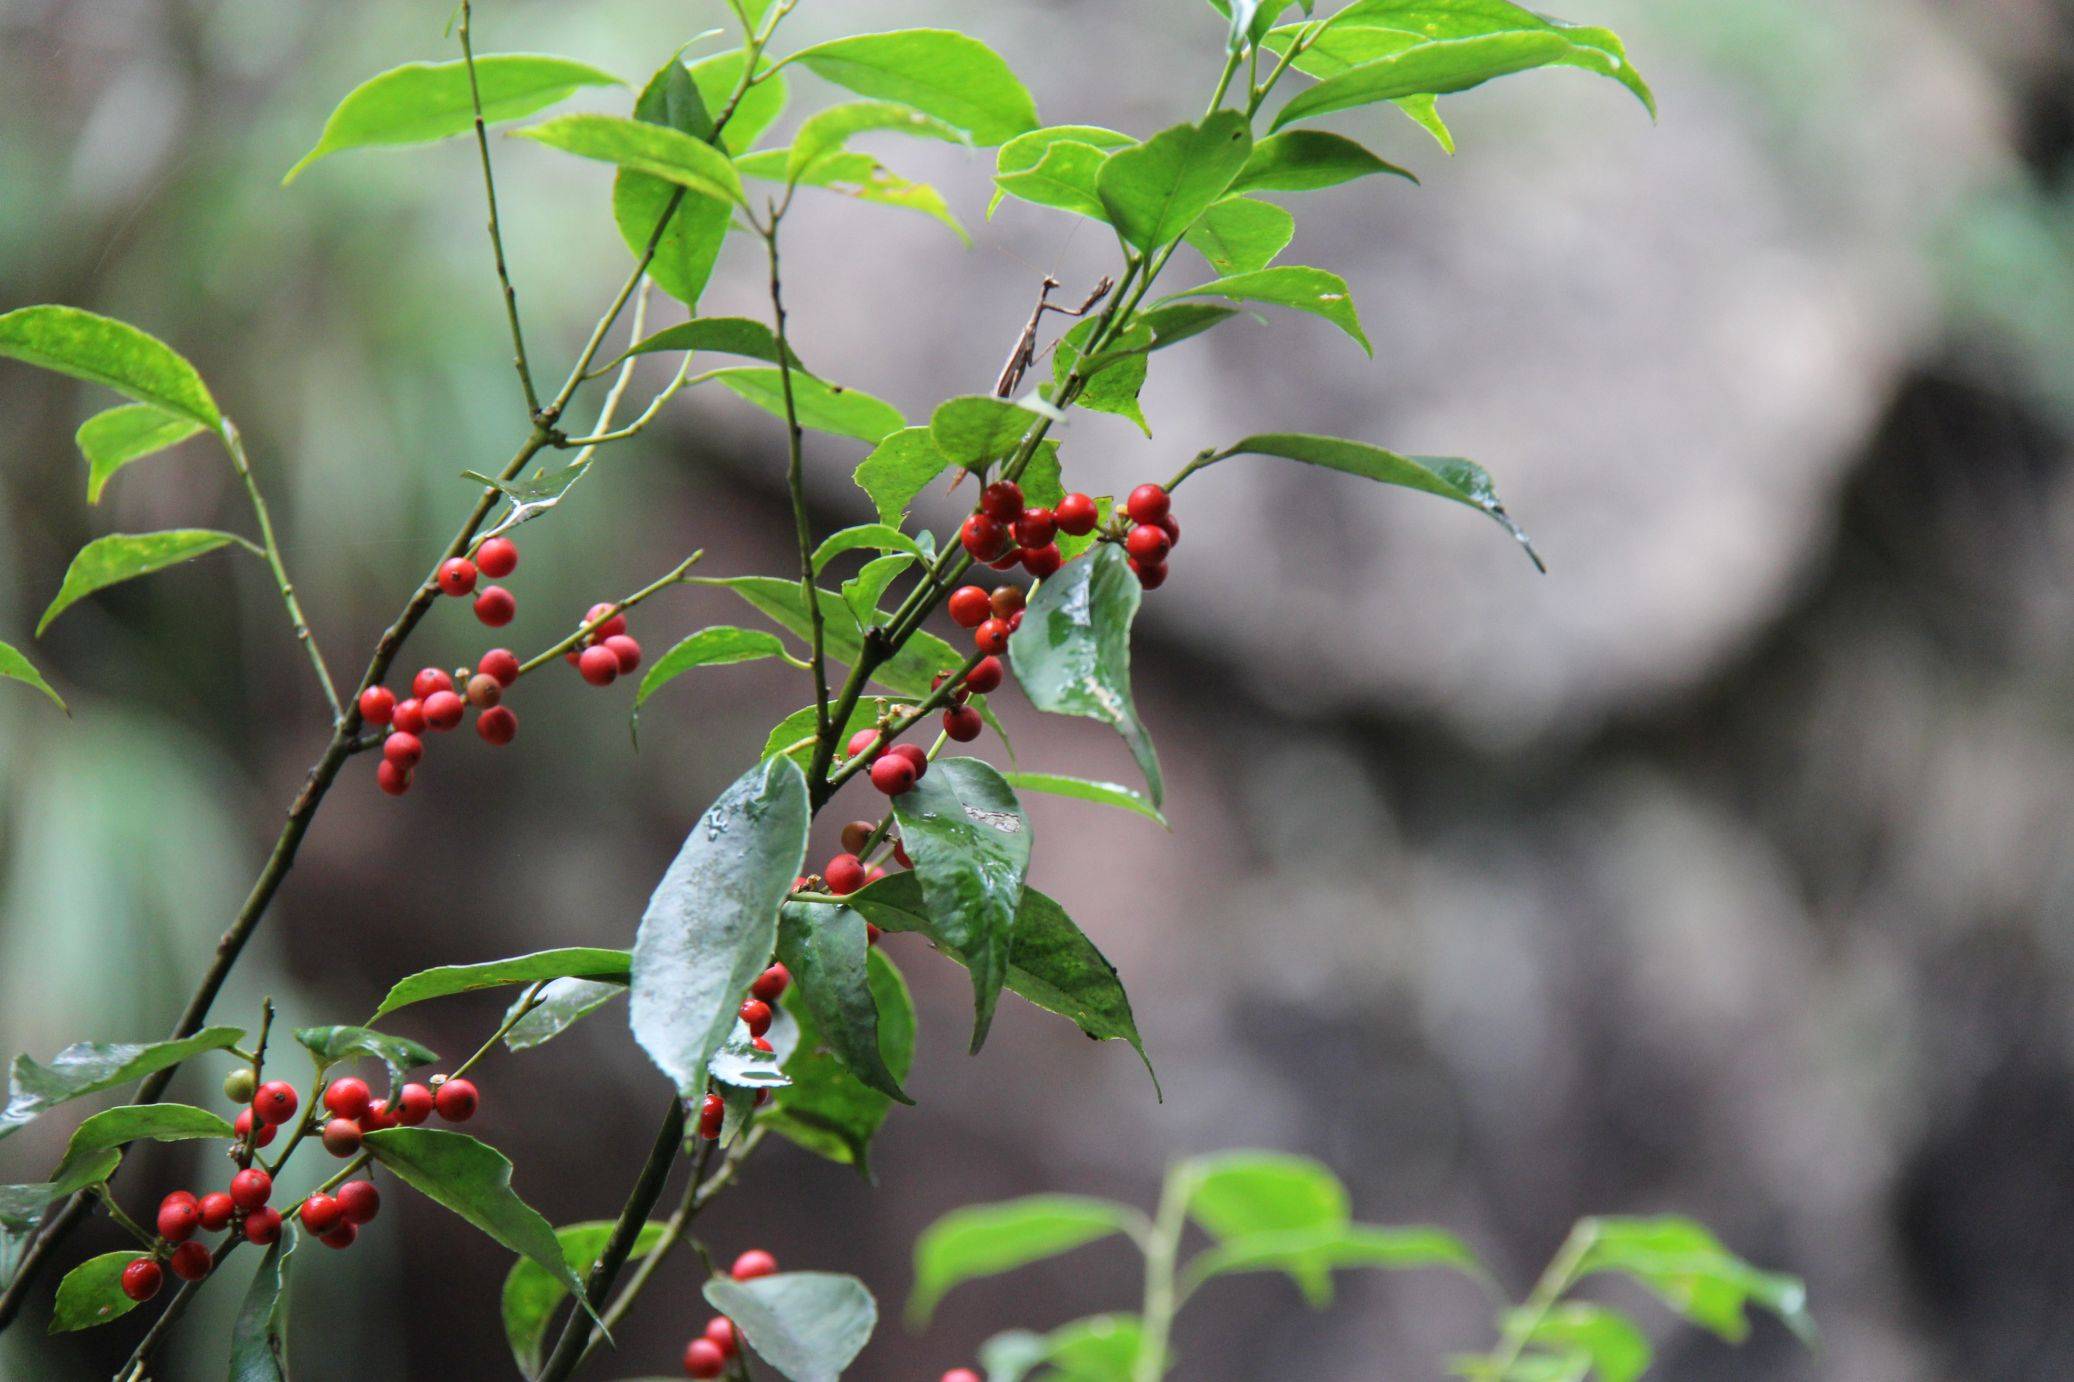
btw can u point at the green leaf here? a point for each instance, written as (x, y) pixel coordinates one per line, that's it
(556, 1008)
(21, 1215)
(1450, 477)
(878, 537)
(1155, 191)
(421, 102)
(118, 1127)
(474, 1181)
(809, 1326)
(120, 557)
(532, 1295)
(1311, 1255)
(1059, 166)
(826, 1109)
(939, 72)
(1242, 1192)
(717, 646)
(1303, 160)
(970, 842)
(827, 951)
(712, 922)
(1615, 1349)
(1112, 381)
(91, 1293)
(977, 428)
(102, 350)
(1290, 285)
(989, 1239)
(1072, 654)
(690, 241)
(761, 104)
(909, 672)
(129, 432)
(656, 150)
(859, 176)
(820, 406)
(799, 725)
(584, 962)
(899, 468)
(728, 335)
(1688, 1268)
(863, 593)
(259, 1337)
(1101, 1348)
(87, 1067)
(828, 131)
(330, 1045)
(1085, 789)
(15, 667)
(1241, 236)
(1598, 50)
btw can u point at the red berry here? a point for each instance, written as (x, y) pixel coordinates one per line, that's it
(320, 1213)
(191, 1262)
(347, 1097)
(1015, 621)
(497, 725)
(1149, 543)
(405, 751)
(862, 740)
(969, 606)
(1147, 504)
(1172, 529)
(872, 934)
(753, 1264)
(757, 1015)
(178, 1219)
(712, 1115)
(1044, 561)
(611, 628)
(377, 1117)
(250, 1188)
(721, 1330)
(963, 723)
(456, 1100)
(377, 705)
(703, 1358)
(501, 663)
(142, 1278)
(484, 691)
(599, 665)
(341, 1137)
(771, 984)
(985, 537)
(854, 836)
(457, 576)
(1151, 575)
(497, 558)
(893, 774)
(625, 649)
(429, 680)
(992, 636)
(845, 874)
(900, 855)
(410, 716)
(184, 1196)
(215, 1209)
(914, 754)
(1036, 528)
(873, 875)
(341, 1236)
(496, 607)
(444, 709)
(1010, 558)
(1077, 514)
(1007, 601)
(359, 1201)
(413, 1105)
(275, 1102)
(262, 1226)
(985, 675)
(763, 1044)
(1002, 500)
(391, 779)
(961, 1375)
(244, 1121)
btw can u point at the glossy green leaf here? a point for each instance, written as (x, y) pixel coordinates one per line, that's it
(330, 1045)
(1306, 289)
(863, 592)
(909, 672)
(989, 1239)
(859, 176)
(761, 103)
(91, 1293)
(103, 350)
(712, 922)
(474, 1181)
(727, 335)
(1155, 191)
(1101, 1348)
(793, 735)
(259, 1336)
(118, 1127)
(1689, 1269)
(560, 1005)
(1085, 789)
(718, 646)
(421, 102)
(532, 1295)
(21, 1215)
(121, 557)
(1450, 477)
(1060, 166)
(977, 428)
(656, 150)
(1311, 1255)
(939, 72)
(692, 234)
(970, 842)
(1597, 50)
(87, 1067)
(1303, 160)
(873, 537)
(827, 1109)
(808, 1326)
(129, 432)
(820, 406)
(899, 468)
(827, 950)
(1240, 235)
(829, 131)
(584, 962)
(15, 667)
(1072, 654)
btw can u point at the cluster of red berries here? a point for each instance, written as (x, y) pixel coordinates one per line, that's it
(992, 618)
(756, 1012)
(437, 701)
(708, 1354)
(496, 558)
(1002, 533)
(1152, 534)
(606, 653)
(334, 1218)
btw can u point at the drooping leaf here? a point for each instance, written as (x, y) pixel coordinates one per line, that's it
(91, 1293)
(809, 1326)
(1360, 34)
(899, 468)
(1235, 1195)
(584, 962)
(1450, 477)
(421, 102)
(874, 537)
(827, 951)
(532, 1295)
(103, 350)
(1060, 166)
(1299, 286)
(128, 432)
(1311, 1255)
(474, 1181)
(989, 1239)
(1689, 1269)
(860, 176)
(118, 1127)
(121, 557)
(259, 1337)
(939, 72)
(1303, 160)
(87, 1067)
(718, 646)
(826, 1109)
(1241, 235)
(970, 842)
(1085, 789)
(555, 1009)
(1072, 654)
(15, 667)
(656, 150)
(977, 428)
(829, 131)
(330, 1045)
(712, 923)
(1154, 191)
(821, 407)
(863, 592)
(1112, 385)
(728, 335)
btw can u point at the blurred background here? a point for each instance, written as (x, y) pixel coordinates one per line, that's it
(1723, 870)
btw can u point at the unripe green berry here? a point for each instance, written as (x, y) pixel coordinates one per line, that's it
(240, 1085)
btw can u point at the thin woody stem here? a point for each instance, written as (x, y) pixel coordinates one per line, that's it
(489, 182)
(589, 627)
(795, 483)
(271, 550)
